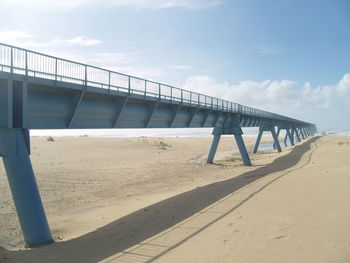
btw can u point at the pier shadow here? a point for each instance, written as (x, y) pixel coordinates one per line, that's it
(145, 223)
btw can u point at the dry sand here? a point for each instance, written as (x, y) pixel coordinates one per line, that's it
(152, 199)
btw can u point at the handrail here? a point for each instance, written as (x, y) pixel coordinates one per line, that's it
(30, 63)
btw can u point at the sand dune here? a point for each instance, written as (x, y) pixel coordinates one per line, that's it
(152, 199)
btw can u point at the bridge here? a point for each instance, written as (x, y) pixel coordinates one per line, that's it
(39, 91)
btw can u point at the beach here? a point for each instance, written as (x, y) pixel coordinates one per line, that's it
(152, 199)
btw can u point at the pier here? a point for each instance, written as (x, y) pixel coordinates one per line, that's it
(39, 91)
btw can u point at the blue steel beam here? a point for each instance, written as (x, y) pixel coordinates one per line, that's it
(177, 108)
(241, 146)
(277, 134)
(285, 139)
(206, 118)
(121, 102)
(274, 136)
(213, 148)
(297, 134)
(290, 133)
(235, 130)
(76, 108)
(302, 133)
(151, 113)
(258, 139)
(23, 186)
(191, 116)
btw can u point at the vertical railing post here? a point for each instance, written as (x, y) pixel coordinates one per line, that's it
(11, 60)
(182, 96)
(85, 76)
(129, 85)
(26, 63)
(145, 88)
(159, 91)
(56, 70)
(190, 97)
(109, 81)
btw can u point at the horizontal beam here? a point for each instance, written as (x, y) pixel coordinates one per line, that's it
(52, 106)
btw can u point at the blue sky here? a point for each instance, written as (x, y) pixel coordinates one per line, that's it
(286, 56)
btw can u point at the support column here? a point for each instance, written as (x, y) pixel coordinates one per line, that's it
(256, 146)
(14, 145)
(213, 148)
(290, 133)
(285, 139)
(302, 133)
(307, 132)
(278, 134)
(297, 134)
(6, 103)
(275, 138)
(237, 131)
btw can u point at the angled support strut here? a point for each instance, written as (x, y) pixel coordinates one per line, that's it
(274, 136)
(237, 132)
(14, 150)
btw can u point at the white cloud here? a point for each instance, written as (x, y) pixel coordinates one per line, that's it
(83, 41)
(66, 5)
(123, 62)
(343, 87)
(149, 73)
(317, 104)
(27, 40)
(14, 36)
(179, 67)
(112, 58)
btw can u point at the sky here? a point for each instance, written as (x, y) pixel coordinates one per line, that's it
(291, 57)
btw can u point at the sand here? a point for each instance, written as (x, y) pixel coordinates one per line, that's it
(152, 199)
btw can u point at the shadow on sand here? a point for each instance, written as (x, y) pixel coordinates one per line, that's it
(134, 228)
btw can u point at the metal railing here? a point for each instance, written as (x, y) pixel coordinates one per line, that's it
(30, 63)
